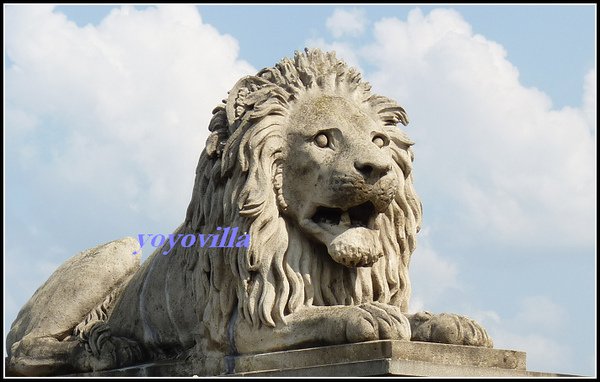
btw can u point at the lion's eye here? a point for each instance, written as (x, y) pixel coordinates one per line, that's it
(321, 140)
(379, 141)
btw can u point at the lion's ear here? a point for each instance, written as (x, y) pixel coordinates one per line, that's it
(239, 101)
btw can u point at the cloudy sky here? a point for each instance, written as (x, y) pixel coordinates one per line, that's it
(106, 112)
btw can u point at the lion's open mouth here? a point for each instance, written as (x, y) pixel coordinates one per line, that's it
(351, 235)
(363, 215)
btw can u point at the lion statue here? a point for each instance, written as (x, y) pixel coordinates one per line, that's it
(311, 164)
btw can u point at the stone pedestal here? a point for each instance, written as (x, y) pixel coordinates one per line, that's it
(375, 358)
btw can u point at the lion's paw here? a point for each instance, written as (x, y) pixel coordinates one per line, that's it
(101, 350)
(377, 321)
(449, 328)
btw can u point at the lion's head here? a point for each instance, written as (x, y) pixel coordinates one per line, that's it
(311, 163)
(337, 174)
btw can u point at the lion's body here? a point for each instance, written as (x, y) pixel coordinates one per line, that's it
(312, 166)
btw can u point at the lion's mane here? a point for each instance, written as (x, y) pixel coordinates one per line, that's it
(238, 182)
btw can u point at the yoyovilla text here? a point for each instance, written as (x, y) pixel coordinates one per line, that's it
(226, 237)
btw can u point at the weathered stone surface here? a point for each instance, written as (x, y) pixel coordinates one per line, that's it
(311, 164)
(441, 354)
(391, 358)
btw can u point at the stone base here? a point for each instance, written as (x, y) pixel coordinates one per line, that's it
(374, 358)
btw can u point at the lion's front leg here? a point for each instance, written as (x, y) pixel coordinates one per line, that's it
(324, 325)
(448, 328)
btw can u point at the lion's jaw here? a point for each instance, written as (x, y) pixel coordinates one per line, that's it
(337, 177)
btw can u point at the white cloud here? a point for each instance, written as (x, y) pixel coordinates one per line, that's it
(506, 164)
(351, 22)
(432, 276)
(129, 99)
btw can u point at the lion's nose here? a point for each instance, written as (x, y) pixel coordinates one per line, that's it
(371, 169)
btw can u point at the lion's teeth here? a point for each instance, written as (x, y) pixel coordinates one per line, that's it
(345, 219)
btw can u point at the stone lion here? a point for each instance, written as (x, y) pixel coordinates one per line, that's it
(307, 161)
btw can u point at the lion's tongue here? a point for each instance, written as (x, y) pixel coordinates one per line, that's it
(355, 247)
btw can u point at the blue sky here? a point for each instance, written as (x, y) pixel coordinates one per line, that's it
(106, 111)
